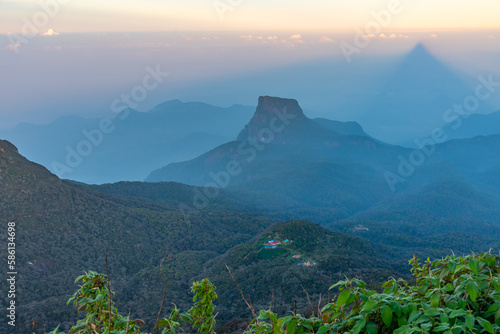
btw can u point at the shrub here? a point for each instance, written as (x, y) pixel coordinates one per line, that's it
(452, 295)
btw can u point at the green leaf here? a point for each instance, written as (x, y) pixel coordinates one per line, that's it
(474, 266)
(351, 299)
(469, 322)
(486, 325)
(396, 308)
(85, 300)
(423, 289)
(79, 325)
(371, 328)
(359, 283)
(495, 285)
(263, 315)
(412, 307)
(452, 266)
(372, 304)
(291, 327)
(402, 329)
(459, 267)
(386, 313)
(458, 313)
(490, 260)
(435, 300)
(472, 290)
(56, 331)
(432, 312)
(339, 283)
(306, 325)
(493, 308)
(162, 323)
(322, 330)
(414, 316)
(343, 297)
(426, 326)
(359, 326)
(442, 327)
(79, 278)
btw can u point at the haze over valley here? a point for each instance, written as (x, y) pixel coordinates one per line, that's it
(221, 166)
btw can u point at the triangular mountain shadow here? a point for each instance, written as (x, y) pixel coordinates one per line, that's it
(414, 98)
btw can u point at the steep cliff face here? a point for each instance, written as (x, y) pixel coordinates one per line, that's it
(280, 121)
(269, 110)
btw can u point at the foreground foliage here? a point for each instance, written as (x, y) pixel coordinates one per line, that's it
(452, 295)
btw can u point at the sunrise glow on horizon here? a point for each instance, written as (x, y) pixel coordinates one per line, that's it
(216, 41)
(316, 15)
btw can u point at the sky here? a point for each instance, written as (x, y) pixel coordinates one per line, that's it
(175, 15)
(61, 57)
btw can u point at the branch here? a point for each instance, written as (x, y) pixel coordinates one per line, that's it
(109, 290)
(310, 304)
(164, 290)
(319, 307)
(274, 308)
(242, 296)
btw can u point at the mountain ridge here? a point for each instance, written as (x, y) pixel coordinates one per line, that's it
(295, 135)
(175, 132)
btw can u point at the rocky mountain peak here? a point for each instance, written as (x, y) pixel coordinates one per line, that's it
(272, 113)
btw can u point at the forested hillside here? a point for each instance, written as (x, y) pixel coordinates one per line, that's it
(64, 229)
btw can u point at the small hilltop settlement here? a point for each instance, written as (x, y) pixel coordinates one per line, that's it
(277, 241)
